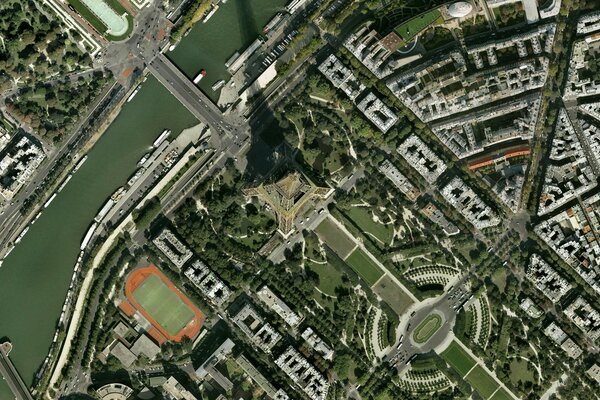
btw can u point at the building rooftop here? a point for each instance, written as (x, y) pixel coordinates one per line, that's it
(276, 304)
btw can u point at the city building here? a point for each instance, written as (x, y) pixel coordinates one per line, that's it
(469, 204)
(260, 379)
(172, 248)
(211, 286)
(341, 77)
(568, 172)
(554, 332)
(585, 317)
(317, 344)
(260, 332)
(378, 54)
(305, 375)
(436, 216)
(277, 305)
(370, 105)
(399, 180)
(456, 89)
(207, 369)
(546, 279)
(144, 346)
(421, 158)
(21, 157)
(531, 308)
(561, 339)
(594, 372)
(123, 354)
(377, 112)
(173, 390)
(571, 235)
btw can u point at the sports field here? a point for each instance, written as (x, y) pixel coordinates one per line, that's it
(156, 298)
(333, 237)
(163, 304)
(364, 266)
(458, 358)
(427, 328)
(482, 382)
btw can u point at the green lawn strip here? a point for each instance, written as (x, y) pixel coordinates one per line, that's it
(501, 395)
(409, 29)
(89, 16)
(115, 5)
(364, 266)
(427, 328)
(363, 219)
(397, 299)
(482, 382)
(337, 240)
(329, 277)
(458, 358)
(162, 304)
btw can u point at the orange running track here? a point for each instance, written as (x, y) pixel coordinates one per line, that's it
(137, 277)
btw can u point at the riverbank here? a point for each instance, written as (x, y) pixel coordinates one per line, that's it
(43, 261)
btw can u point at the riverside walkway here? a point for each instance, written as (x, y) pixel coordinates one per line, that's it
(10, 374)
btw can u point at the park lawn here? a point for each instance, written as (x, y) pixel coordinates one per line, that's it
(409, 29)
(163, 304)
(458, 358)
(520, 372)
(499, 278)
(501, 395)
(362, 217)
(329, 277)
(364, 266)
(482, 382)
(396, 298)
(118, 7)
(333, 237)
(427, 328)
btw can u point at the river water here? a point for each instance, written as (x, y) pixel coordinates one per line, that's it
(234, 26)
(35, 277)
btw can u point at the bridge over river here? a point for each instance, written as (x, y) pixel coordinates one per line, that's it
(10, 374)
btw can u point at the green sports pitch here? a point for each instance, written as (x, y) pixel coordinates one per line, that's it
(163, 304)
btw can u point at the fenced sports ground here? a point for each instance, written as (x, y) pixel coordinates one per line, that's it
(155, 297)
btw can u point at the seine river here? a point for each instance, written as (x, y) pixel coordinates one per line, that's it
(208, 46)
(35, 277)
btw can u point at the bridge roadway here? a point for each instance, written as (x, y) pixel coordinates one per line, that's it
(10, 374)
(187, 93)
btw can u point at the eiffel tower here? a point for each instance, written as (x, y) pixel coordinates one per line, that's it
(287, 197)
